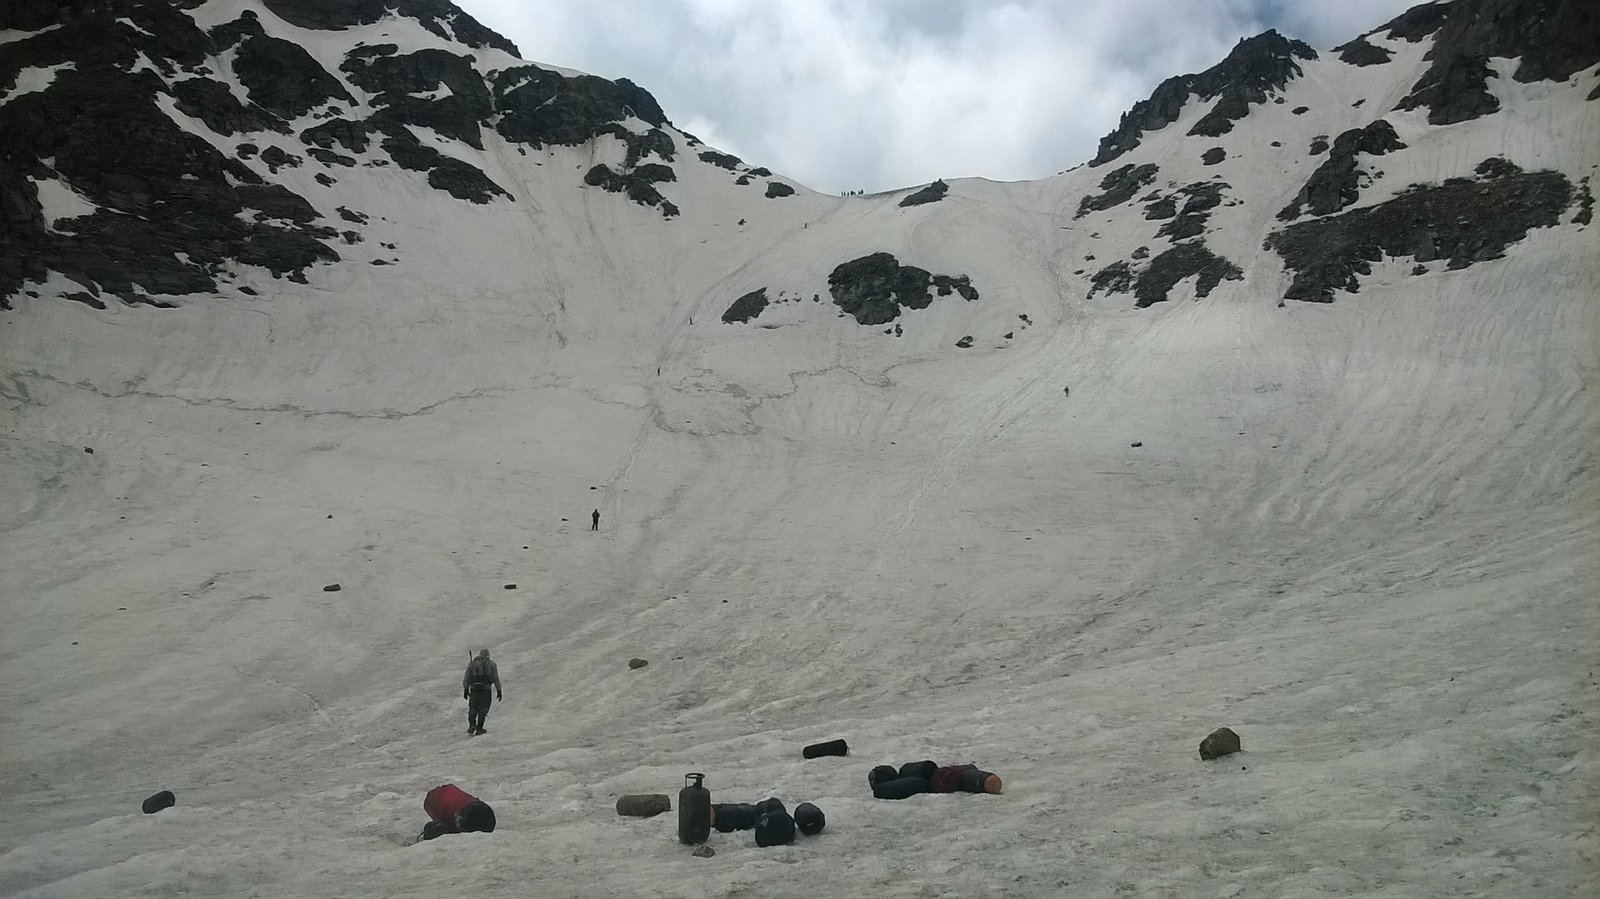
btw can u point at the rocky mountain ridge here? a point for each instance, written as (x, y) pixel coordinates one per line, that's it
(171, 131)
(171, 211)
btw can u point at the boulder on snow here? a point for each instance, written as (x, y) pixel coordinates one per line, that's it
(332, 588)
(1222, 741)
(637, 663)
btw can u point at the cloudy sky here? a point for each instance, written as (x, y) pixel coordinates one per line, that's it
(877, 94)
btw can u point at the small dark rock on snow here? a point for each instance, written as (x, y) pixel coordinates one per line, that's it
(332, 588)
(1222, 741)
(637, 663)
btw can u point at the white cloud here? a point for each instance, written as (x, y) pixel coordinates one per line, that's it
(888, 93)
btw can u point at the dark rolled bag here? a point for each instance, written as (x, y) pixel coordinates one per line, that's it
(831, 747)
(881, 773)
(727, 817)
(159, 801)
(901, 787)
(776, 828)
(769, 806)
(923, 769)
(643, 805)
(809, 819)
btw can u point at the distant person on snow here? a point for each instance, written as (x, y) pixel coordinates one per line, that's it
(482, 673)
(594, 521)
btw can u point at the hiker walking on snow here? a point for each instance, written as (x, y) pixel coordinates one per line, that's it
(594, 521)
(482, 673)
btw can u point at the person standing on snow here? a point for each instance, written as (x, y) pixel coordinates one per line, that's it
(594, 521)
(482, 673)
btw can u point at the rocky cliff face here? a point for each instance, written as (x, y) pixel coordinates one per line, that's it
(120, 104)
(1337, 222)
(1256, 67)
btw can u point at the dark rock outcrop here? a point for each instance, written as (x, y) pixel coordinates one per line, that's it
(338, 132)
(777, 189)
(461, 180)
(1417, 22)
(1114, 278)
(639, 184)
(214, 104)
(276, 157)
(1199, 199)
(747, 307)
(539, 107)
(1213, 156)
(1462, 220)
(1161, 207)
(441, 17)
(1336, 183)
(170, 210)
(1454, 89)
(1120, 185)
(1360, 52)
(1255, 66)
(1182, 261)
(279, 76)
(1151, 284)
(1553, 39)
(395, 80)
(328, 16)
(655, 141)
(1585, 213)
(933, 193)
(876, 287)
(721, 160)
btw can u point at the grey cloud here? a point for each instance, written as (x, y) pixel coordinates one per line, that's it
(846, 94)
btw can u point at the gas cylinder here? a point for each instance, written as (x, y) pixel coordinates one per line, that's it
(694, 810)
